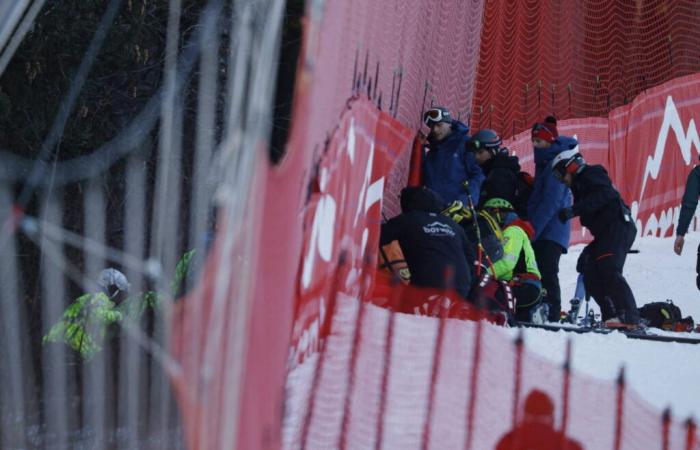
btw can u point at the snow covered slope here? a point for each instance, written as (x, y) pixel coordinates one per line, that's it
(665, 374)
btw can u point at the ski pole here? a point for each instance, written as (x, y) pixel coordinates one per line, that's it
(480, 246)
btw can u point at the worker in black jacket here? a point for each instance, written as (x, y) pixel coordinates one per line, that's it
(500, 169)
(434, 245)
(602, 211)
(688, 205)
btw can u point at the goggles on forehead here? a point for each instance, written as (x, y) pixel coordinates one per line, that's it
(433, 116)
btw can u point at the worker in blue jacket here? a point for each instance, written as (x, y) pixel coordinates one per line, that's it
(548, 197)
(447, 165)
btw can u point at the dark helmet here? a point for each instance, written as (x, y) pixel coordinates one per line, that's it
(484, 139)
(568, 161)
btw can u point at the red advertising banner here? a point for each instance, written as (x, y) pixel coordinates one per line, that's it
(341, 220)
(653, 145)
(648, 146)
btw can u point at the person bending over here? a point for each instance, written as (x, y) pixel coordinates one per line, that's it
(602, 211)
(433, 244)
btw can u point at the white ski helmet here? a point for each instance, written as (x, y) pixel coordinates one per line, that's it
(568, 161)
(112, 282)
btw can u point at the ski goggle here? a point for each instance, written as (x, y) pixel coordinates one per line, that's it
(561, 169)
(433, 116)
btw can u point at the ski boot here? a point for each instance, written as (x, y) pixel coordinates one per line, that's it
(539, 314)
(575, 304)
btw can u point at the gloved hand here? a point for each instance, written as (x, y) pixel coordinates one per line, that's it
(678, 244)
(697, 281)
(566, 214)
(457, 211)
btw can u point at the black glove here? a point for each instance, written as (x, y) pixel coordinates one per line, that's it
(565, 214)
(697, 281)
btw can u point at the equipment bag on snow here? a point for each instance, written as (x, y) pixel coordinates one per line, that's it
(666, 315)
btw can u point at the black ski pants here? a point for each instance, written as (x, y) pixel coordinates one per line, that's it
(601, 263)
(547, 254)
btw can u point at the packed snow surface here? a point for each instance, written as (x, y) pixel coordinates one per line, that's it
(664, 374)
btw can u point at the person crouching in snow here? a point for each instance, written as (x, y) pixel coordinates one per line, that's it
(518, 266)
(432, 244)
(602, 211)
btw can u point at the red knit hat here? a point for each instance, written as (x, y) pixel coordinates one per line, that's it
(546, 130)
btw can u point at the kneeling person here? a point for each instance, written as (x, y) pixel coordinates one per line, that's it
(433, 245)
(517, 266)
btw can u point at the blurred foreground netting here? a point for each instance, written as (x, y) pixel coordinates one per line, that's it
(109, 203)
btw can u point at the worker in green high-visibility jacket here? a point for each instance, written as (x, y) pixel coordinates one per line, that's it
(86, 322)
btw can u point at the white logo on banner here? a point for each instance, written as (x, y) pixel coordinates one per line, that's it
(321, 240)
(672, 121)
(323, 228)
(330, 211)
(685, 139)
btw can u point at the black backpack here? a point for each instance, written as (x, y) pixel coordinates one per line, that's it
(666, 315)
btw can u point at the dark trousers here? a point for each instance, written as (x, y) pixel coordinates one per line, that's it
(601, 263)
(527, 296)
(547, 254)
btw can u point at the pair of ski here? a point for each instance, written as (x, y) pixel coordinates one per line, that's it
(589, 324)
(632, 333)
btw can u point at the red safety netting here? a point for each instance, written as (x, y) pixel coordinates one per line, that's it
(648, 146)
(578, 58)
(393, 380)
(369, 374)
(399, 58)
(404, 56)
(323, 202)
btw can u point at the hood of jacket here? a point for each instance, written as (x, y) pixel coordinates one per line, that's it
(420, 198)
(525, 225)
(502, 160)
